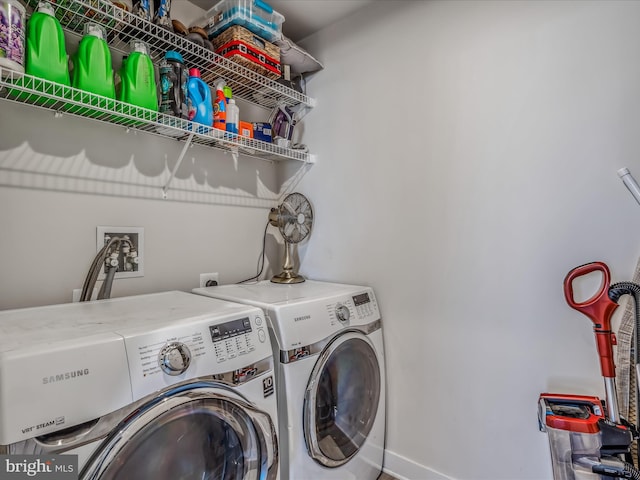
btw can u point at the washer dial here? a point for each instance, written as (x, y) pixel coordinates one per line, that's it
(174, 358)
(343, 313)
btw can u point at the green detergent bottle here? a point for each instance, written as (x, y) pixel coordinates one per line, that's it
(46, 56)
(137, 81)
(92, 70)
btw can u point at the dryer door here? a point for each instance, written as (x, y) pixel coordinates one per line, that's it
(197, 431)
(341, 400)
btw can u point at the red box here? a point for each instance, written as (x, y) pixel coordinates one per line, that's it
(249, 50)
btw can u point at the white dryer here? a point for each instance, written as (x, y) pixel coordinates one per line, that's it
(164, 386)
(330, 375)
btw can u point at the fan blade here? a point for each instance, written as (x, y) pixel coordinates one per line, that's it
(303, 231)
(287, 212)
(306, 209)
(288, 229)
(296, 200)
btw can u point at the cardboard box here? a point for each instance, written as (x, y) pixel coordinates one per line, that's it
(245, 129)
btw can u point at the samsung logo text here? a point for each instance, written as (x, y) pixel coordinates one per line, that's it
(65, 376)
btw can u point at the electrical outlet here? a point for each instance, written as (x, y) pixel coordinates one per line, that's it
(208, 279)
(130, 254)
(78, 291)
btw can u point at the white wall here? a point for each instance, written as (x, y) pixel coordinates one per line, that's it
(467, 161)
(62, 177)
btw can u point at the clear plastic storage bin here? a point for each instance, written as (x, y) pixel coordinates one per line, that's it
(255, 15)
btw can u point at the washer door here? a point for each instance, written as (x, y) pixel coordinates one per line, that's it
(198, 431)
(341, 400)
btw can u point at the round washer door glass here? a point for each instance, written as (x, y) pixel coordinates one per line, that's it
(341, 400)
(190, 437)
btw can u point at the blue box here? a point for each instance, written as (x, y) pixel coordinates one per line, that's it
(262, 131)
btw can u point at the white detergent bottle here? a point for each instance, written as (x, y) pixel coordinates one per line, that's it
(233, 116)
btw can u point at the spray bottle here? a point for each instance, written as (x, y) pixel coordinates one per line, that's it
(220, 106)
(227, 93)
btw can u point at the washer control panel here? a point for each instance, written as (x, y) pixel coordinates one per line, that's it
(356, 309)
(198, 348)
(364, 305)
(298, 323)
(236, 337)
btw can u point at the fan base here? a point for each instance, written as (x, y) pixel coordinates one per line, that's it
(287, 277)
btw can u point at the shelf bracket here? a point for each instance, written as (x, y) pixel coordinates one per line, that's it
(301, 111)
(165, 189)
(234, 155)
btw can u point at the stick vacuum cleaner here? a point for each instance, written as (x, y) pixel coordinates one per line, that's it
(589, 440)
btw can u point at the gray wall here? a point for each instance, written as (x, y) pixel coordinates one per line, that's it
(467, 161)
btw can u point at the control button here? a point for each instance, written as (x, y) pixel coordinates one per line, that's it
(241, 344)
(261, 336)
(343, 313)
(174, 358)
(258, 321)
(231, 349)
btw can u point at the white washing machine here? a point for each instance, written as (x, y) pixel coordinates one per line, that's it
(330, 375)
(164, 386)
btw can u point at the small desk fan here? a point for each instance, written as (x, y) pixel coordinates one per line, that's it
(294, 218)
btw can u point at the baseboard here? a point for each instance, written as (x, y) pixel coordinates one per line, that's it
(404, 469)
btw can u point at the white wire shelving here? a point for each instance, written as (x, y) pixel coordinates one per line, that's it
(122, 27)
(61, 99)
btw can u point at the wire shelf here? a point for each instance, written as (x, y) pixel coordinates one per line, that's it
(123, 26)
(30, 90)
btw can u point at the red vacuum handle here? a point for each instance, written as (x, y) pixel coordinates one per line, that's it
(599, 309)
